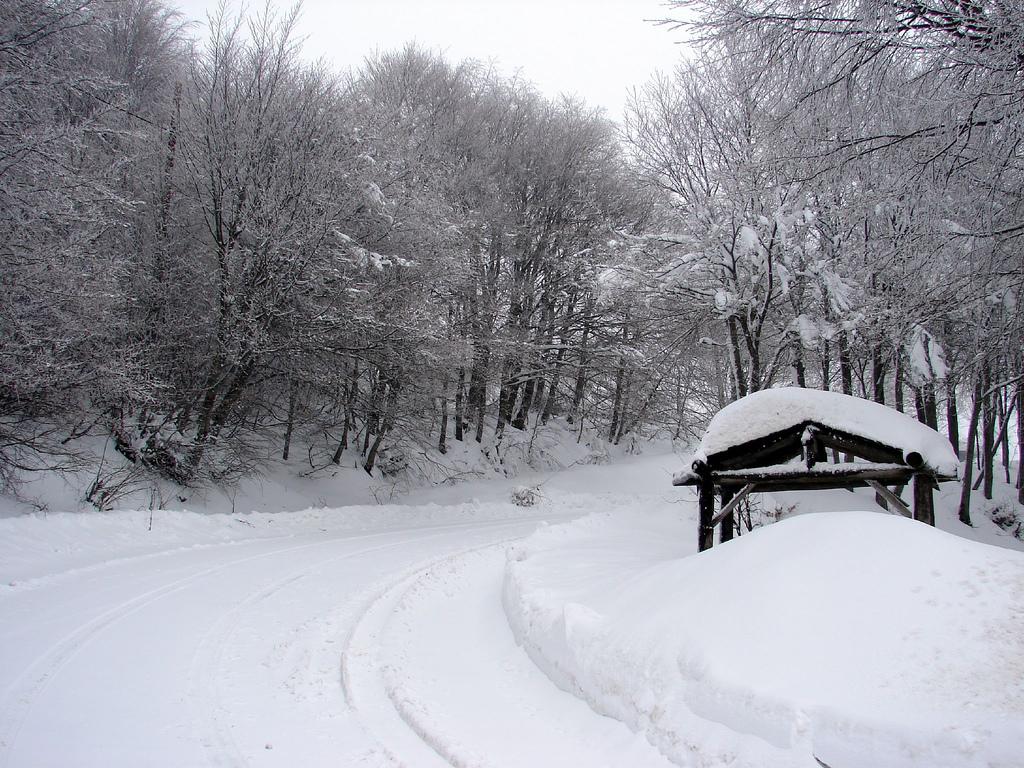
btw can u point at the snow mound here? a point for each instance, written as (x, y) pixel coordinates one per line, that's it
(856, 638)
(771, 410)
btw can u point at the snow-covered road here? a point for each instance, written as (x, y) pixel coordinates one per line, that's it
(379, 636)
(317, 647)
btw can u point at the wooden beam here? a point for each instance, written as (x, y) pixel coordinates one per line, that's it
(871, 450)
(771, 449)
(733, 503)
(728, 527)
(706, 507)
(924, 506)
(890, 497)
(787, 443)
(797, 476)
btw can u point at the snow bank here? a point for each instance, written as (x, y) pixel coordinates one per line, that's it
(771, 410)
(406, 469)
(859, 638)
(454, 673)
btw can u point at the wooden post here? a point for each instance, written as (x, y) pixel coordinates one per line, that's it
(729, 521)
(706, 505)
(924, 507)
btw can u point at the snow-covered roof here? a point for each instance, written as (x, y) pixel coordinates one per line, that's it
(773, 410)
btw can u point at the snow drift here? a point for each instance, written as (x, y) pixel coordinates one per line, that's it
(856, 638)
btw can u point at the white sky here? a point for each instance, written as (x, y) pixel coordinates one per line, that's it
(596, 49)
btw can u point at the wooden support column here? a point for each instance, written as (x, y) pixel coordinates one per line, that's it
(706, 505)
(924, 506)
(729, 521)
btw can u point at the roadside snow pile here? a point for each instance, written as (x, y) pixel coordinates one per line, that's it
(772, 410)
(857, 638)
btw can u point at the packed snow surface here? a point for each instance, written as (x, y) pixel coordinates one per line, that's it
(772, 410)
(853, 638)
(367, 635)
(374, 635)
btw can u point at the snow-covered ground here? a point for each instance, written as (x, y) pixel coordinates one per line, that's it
(853, 638)
(298, 638)
(382, 634)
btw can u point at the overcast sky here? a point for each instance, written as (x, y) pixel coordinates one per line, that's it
(596, 49)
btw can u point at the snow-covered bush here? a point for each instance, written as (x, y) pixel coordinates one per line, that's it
(525, 496)
(392, 462)
(1008, 517)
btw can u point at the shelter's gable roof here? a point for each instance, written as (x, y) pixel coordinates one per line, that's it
(779, 447)
(766, 427)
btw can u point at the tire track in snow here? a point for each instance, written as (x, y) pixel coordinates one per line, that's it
(27, 687)
(208, 659)
(55, 578)
(362, 673)
(433, 651)
(20, 696)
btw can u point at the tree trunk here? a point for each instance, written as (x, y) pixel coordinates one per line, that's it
(478, 387)
(369, 429)
(972, 434)
(922, 413)
(373, 413)
(217, 408)
(538, 400)
(342, 445)
(293, 391)
(826, 366)
(507, 396)
(459, 412)
(617, 403)
(1005, 404)
(1020, 444)
(481, 415)
(897, 383)
(845, 369)
(233, 394)
(523, 413)
(798, 365)
(195, 456)
(988, 432)
(351, 393)
(556, 377)
(624, 408)
(953, 417)
(552, 392)
(878, 374)
(390, 405)
(930, 407)
(581, 375)
(739, 378)
(160, 252)
(442, 438)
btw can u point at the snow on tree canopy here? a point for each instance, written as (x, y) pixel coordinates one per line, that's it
(773, 410)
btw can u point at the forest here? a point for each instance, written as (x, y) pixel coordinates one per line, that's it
(216, 251)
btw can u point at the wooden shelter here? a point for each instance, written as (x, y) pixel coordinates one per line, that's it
(768, 462)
